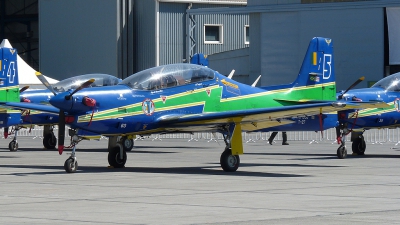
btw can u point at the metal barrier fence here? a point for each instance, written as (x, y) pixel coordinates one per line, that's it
(375, 136)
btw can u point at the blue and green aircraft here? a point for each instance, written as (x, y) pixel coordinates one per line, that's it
(9, 90)
(358, 121)
(179, 98)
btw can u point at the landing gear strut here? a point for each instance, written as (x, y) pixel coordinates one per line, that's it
(341, 139)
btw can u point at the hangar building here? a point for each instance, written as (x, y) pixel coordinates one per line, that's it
(124, 36)
(365, 35)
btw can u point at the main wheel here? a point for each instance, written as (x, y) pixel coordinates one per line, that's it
(358, 147)
(13, 146)
(341, 152)
(114, 158)
(49, 141)
(229, 162)
(127, 143)
(70, 165)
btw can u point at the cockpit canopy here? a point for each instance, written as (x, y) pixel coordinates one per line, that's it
(389, 83)
(168, 76)
(74, 82)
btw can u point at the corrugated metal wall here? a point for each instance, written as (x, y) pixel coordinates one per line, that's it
(172, 32)
(145, 33)
(173, 27)
(233, 32)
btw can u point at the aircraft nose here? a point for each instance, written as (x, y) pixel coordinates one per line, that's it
(60, 102)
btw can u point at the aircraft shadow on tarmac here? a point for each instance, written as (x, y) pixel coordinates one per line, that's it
(209, 170)
(86, 150)
(325, 156)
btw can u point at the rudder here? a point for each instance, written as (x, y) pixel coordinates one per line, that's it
(9, 84)
(318, 68)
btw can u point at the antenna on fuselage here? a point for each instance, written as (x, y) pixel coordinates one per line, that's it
(255, 82)
(231, 74)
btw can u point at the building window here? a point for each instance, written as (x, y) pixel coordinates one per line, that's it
(246, 34)
(213, 34)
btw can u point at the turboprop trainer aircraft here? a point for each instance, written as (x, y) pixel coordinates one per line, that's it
(358, 121)
(180, 98)
(42, 96)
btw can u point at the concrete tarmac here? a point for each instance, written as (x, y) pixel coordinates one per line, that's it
(181, 182)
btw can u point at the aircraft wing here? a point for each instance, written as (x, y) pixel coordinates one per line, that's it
(31, 106)
(255, 119)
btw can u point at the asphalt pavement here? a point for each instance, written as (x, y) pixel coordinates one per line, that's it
(174, 181)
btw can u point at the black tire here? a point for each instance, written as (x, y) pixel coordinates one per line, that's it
(341, 152)
(127, 144)
(229, 162)
(70, 165)
(49, 141)
(358, 147)
(114, 158)
(13, 146)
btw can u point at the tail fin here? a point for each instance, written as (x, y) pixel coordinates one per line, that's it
(9, 84)
(318, 69)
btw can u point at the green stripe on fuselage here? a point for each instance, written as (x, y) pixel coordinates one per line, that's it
(210, 98)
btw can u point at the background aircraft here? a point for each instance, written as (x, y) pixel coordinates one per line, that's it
(12, 66)
(42, 96)
(191, 98)
(9, 89)
(358, 121)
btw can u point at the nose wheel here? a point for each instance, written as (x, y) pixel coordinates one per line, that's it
(341, 152)
(71, 165)
(13, 146)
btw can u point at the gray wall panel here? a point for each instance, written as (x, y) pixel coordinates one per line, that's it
(279, 48)
(358, 36)
(78, 37)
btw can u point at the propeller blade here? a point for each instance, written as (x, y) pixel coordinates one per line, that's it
(61, 131)
(23, 89)
(352, 86)
(45, 82)
(84, 85)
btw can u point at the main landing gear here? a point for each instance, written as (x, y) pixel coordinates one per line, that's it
(127, 143)
(49, 139)
(359, 146)
(228, 161)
